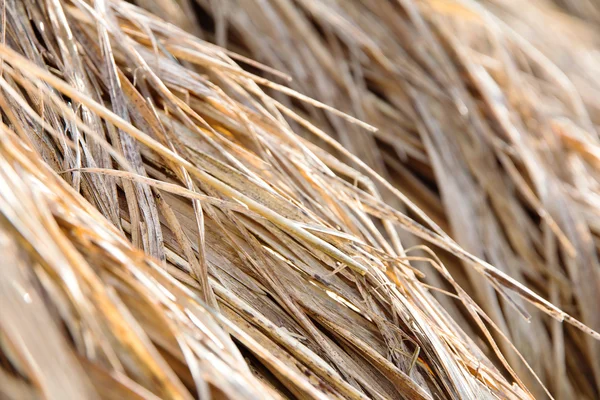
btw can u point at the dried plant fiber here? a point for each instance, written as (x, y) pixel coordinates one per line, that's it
(269, 199)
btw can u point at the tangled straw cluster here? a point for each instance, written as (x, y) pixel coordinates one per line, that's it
(173, 225)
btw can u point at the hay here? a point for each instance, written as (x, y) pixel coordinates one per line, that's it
(175, 226)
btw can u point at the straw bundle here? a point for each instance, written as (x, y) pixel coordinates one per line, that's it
(176, 226)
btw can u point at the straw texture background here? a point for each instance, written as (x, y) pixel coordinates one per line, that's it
(299, 199)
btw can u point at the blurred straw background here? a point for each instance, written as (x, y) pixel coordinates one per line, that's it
(299, 199)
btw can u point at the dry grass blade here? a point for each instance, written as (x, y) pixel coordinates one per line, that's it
(175, 226)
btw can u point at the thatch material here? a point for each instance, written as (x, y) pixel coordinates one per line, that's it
(275, 263)
(487, 121)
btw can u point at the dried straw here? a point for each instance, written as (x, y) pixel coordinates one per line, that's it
(175, 226)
